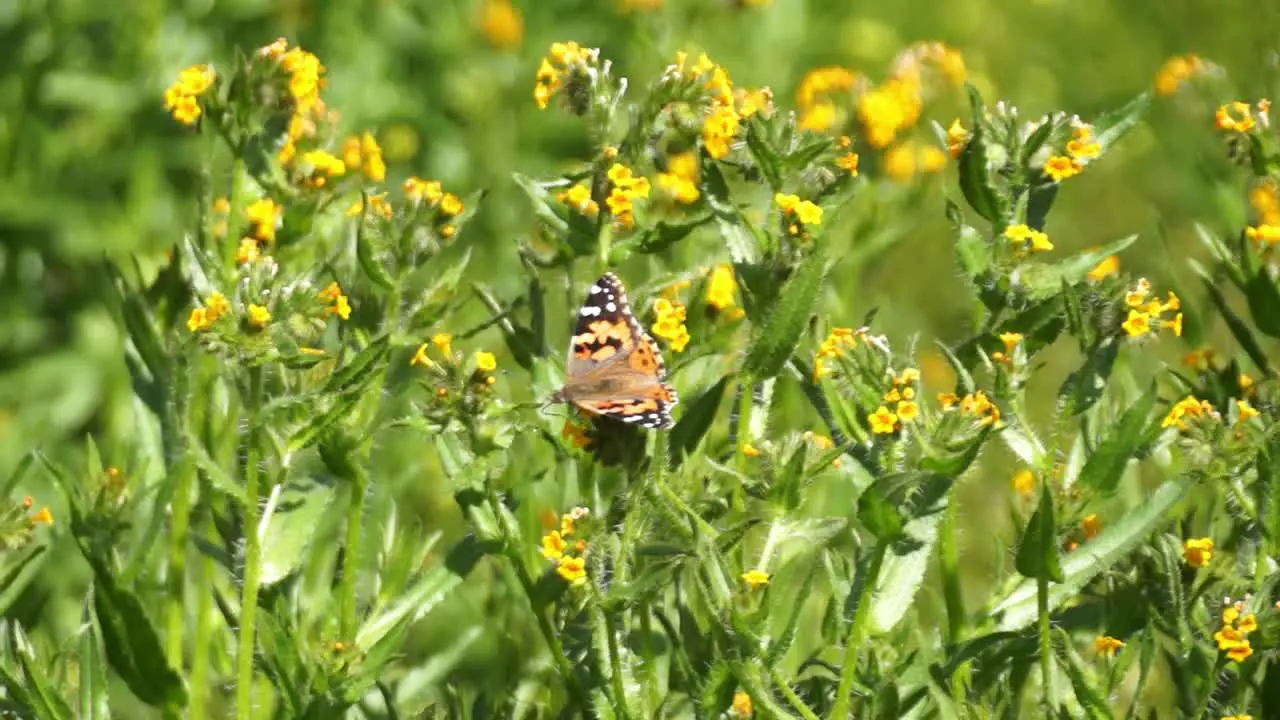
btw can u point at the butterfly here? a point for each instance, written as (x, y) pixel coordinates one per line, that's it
(614, 368)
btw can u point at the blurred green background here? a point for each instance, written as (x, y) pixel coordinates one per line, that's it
(91, 165)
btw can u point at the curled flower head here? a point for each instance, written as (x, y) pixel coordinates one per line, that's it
(1197, 552)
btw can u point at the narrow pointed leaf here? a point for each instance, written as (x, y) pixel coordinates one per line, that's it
(1104, 468)
(1038, 555)
(975, 181)
(786, 321)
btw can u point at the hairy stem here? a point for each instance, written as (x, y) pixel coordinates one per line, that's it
(252, 553)
(351, 553)
(1046, 642)
(866, 585)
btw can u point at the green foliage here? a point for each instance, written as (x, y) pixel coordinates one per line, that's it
(282, 441)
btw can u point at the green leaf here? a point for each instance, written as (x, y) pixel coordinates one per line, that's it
(1264, 303)
(1111, 126)
(971, 249)
(766, 157)
(140, 323)
(879, 515)
(543, 203)
(663, 235)
(93, 673)
(16, 573)
(292, 527)
(1084, 386)
(786, 321)
(1226, 258)
(367, 254)
(16, 477)
(1238, 328)
(1038, 555)
(1106, 465)
(43, 698)
(356, 370)
(975, 181)
(1094, 703)
(132, 644)
(1044, 281)
(964, 380)
(1114, 543)
(696, 420)
(903, 571)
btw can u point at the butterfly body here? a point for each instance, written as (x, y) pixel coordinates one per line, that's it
(614, 368)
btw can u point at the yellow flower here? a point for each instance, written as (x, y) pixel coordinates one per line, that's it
(1091, 526)
(899, 163)
(416, 190)
(882, 421)
(1061, 167)
(486, 362)
(181, 98)
(669, 324)
(197, 320)
(907, 411)
(248, 251)
(957, 138)
(258, 316)
(1174, 72)
(217, 305)
(1241, 716)
(451, 205)
(1106, 645)
(680, 179)
(378, 205)
(1010, 340)
(443, 343)
(721, 287)
(573, 570)
(931, 159)
(340, 307)
(755, 578)
(750, 451)
(420, 357)
(1197, 552)
(501, 24)
(718, 131)
(1024, 482)
(1110, 265)
(1138, 323)
(1236, 117)
(1233, 636)
(578, 197)
(808, 213)
(848, 161)
(741, 705)
(1027, 240)
(553, 545)
(323, 166)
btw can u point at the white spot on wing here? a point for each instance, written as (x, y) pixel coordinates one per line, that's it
(589, 311)
(595, 289)
(610, 307)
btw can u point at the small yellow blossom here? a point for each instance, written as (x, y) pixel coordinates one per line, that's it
(501, 24)
(755, 578)
(44, 517)
(741, 706)
(1091, 526)
(669, 323)
(1197, 552)
(721, 287)
(486, 362)
(907, 411)
(1109, 265)
(420, 357)
(572, 569)
(849, 162)
(1175, 71)
(1236, 117)
(443, 343)
(1061, 167)
(1106, 645)
(258, 316)
(263, 215)
(1010, 340)
(1024, 482)
(197, 320)
(1137, 324)
(181, 98)
(883, 421)
(718, 131)
(957, 138)
(1025, 239)
(553, 545)
(750, 451)
(578, 197)
(451, 205)
(680, 179)
(1233, 637)
(248, 251)
(417, 190)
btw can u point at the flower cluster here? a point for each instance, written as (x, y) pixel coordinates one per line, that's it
(364, 154)
(975, 403)
(796, 213)
(442, 342)
(1234, 635)
(625, 189)
(1080, 149)
(304, 79)
(669, 323)
(1010, 341)
(338, 304)
(563, 62)
(902, 161)
(1025, 241)
(447, 206)
(1177, 70)
(833, 347)
(18, 524)
(814, 101)
(1265, 200)
(902, 395)
(555, 547)
(203, 317)
(1146, 313)
(379, 206)
(1188, 408)
(182, 98)
(680, 181)
(728, 106)
(578, 197)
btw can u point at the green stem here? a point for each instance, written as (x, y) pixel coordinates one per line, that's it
(949, 560)
(615, 667)
(792, 698)
(351, 554)
(252, 553)
(1046, 642)
(203, 639)
(179, 461)
(853, 643)
(744, 423)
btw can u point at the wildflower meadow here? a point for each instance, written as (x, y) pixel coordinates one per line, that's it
(639, 359)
